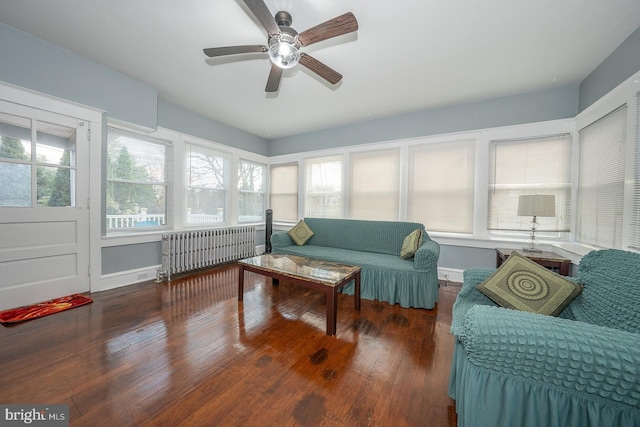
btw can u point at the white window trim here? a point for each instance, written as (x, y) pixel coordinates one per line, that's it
(624, 93)
(480, 236)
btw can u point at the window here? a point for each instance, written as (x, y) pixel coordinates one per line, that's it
(207, 173)
(529, 166)
(375, 185)
(323, 193)
(601, 186)
(635, 220)
(441, 186)
(284, 192)
(251, 191)
(136, 181)
(37, 163)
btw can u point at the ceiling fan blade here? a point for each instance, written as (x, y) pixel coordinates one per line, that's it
(320, 69)
(233, 50)
(261, 11)
(343, 24)
(273, 83)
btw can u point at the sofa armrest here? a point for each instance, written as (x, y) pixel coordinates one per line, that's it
(426, 257)
(281, 239)
(469, 296)
(593, 361)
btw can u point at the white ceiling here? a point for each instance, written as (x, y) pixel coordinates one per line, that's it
(408, 55)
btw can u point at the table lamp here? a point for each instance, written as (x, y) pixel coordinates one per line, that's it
(536, 205)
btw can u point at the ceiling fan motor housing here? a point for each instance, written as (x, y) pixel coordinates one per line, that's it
(283, 19)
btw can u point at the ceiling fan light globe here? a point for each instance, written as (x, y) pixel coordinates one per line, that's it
(284, 55)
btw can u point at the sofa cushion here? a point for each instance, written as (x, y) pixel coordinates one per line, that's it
(300, 233)
(346, 256)
(411, 244)
(521, 284)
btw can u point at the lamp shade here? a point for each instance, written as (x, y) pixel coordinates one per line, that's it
(537, 205)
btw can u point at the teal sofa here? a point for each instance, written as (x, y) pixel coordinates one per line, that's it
(375, 246)
(582, 368)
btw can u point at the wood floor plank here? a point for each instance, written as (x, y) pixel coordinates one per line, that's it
(188, 353)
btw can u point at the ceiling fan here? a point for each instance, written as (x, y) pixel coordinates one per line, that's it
(284, 43)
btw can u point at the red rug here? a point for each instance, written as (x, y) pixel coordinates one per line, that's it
(41, 309)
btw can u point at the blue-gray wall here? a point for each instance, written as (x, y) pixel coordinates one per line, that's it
(33, 63)
(615, 69)
(559, 103)
(172, 116)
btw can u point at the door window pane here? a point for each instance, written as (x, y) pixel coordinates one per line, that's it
(55, 145)
(54, 163)
(15, 161)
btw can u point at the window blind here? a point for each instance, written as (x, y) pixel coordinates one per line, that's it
(374, 185)
(284, 192)
(529, 166)
(635, 220)
(441, 186)
(601, 185)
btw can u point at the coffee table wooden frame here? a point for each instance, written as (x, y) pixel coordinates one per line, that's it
(330, 289)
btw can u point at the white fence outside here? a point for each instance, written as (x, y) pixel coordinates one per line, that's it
(156, 220)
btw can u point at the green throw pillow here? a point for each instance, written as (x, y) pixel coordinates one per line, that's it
(521, 284)
(411, 244)
(300, 233)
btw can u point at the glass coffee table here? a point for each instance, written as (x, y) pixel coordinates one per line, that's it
(325, 276)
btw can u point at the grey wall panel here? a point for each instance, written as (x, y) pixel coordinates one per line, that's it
(463, 257)
(44, 67)
(130, 257)
(559, 103)
(615, 69)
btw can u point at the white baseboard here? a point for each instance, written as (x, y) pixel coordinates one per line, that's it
(129, 277)
(450, 274)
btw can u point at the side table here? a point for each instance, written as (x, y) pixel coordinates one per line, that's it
(546, 259)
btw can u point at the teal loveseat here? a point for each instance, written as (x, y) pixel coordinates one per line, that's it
(375, 246)
(580, 369)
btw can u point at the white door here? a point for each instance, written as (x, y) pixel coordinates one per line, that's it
(44, 196)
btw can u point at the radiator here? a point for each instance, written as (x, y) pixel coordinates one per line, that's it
(191, 250)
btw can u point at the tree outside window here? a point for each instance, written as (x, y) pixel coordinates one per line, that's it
(136, 187)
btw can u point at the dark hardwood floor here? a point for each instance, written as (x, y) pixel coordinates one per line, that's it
(187, 353)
